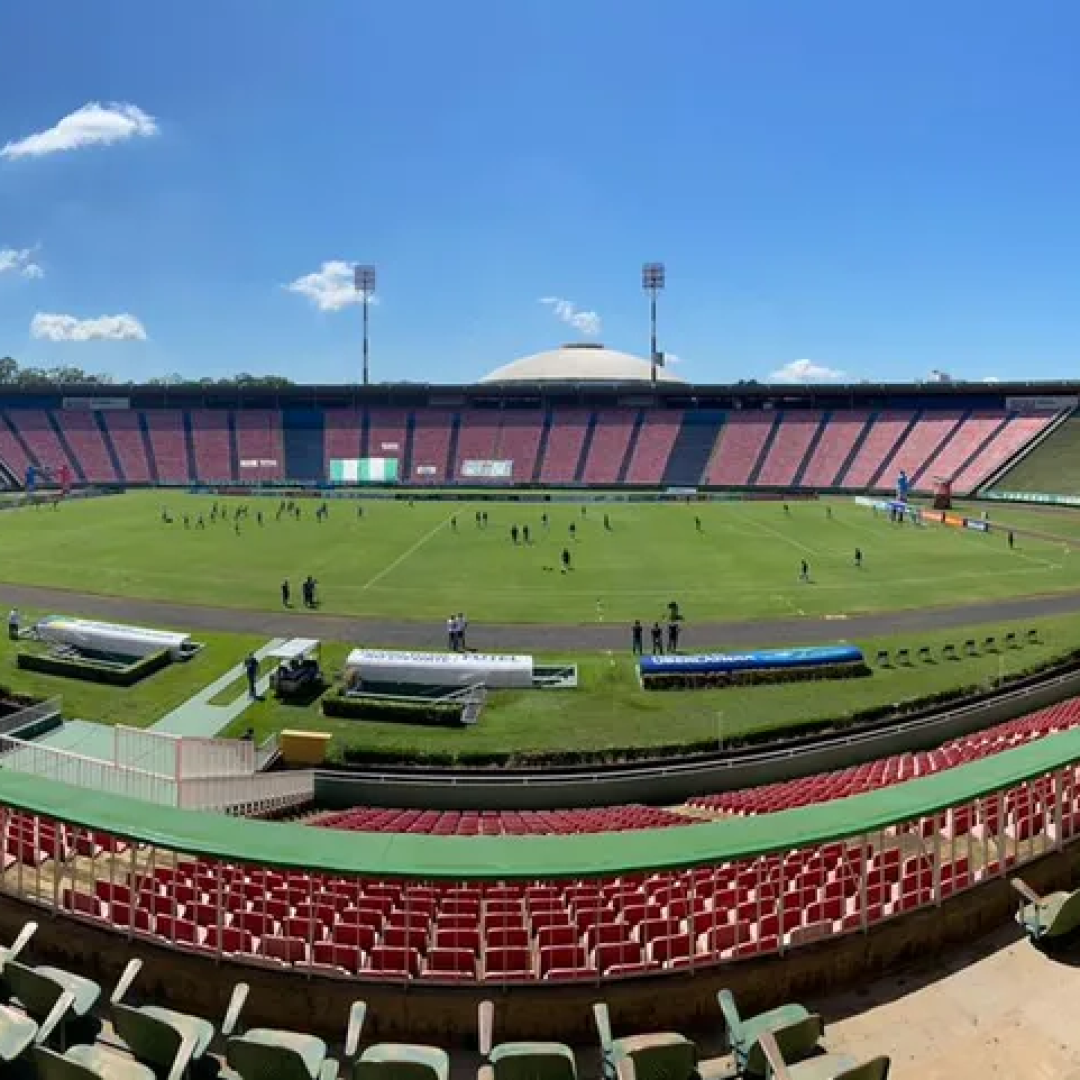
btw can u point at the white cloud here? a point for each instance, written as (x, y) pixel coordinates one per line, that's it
(92, 125)
(805, 371)
(585, 322)
(19, 261)
(991, 379)
(671, 359)
(103, 328)
(331, 287)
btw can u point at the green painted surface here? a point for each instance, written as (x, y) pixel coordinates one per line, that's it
(406, 855)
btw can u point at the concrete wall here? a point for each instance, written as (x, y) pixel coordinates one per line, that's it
(675, 782)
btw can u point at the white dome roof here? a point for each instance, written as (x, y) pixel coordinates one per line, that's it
(579, 363)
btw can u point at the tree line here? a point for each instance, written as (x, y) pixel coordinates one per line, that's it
(12, 373)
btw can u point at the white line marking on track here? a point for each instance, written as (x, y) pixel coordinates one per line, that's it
(430, 535)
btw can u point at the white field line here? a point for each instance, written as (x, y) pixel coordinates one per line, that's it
(407, 553)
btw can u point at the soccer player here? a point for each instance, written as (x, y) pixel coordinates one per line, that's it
(657, 639)
(286, 593)
(525, 534)
(673, 637)
(573, 531)
(565, 559)
(787, 510)
(544, 521)
(804, 571)
(858, 558)
(636, 633)
(514, 533)
(453, 523)
(697, 524)
(607, 523)
(1012, 540)
(828, 513)
(251, 670)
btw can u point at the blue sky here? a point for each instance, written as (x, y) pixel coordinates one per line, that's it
(879, 189)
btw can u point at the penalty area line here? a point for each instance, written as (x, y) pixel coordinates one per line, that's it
(407, 553)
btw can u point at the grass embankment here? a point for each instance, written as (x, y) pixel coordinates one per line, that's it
(610, 711)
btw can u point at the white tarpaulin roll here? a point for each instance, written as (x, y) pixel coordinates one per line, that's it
(442, 669)
(112, 638)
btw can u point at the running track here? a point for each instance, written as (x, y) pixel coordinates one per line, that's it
(530, 637)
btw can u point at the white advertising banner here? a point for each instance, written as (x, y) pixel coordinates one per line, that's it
(488, 470)
(96, 403)
(1041, 404)
(442, 669)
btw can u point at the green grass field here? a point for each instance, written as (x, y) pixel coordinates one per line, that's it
(409, 563)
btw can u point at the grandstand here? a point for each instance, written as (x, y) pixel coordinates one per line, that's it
(554, 433)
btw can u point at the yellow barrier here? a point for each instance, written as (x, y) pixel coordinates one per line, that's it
(304, 747)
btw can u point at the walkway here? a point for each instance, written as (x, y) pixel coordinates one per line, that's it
(525, 637)
(198, 717)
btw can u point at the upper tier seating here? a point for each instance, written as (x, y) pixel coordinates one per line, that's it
(792, 449)
(610, 443)
(259, 444)
(125, 430)
(80, 428)
(502, 822)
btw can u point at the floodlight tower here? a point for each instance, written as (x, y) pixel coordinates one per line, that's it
(364, 282)
(653, 279)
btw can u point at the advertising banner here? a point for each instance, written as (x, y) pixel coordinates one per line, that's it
(363, 470)
(1042, 404)
(487, 470)
(498, 672)
(96, 403)
(764, 660)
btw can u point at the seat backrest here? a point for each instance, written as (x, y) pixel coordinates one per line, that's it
(260, 1061)
(533, 1061)
(660, 1056)
(49, 1065)
(149, 1039)
(795, 1041)
(1068, 917)
(36, 993)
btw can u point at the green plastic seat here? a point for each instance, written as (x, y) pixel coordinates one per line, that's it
(797, 1031)
(85, 992)
(17, 1034)
(1046, 918)
(11, 952)
(270, 1054)
(162, 1038)
(521, 1060)
(49, 995)
(822, 1067)
(662, 1055)
(402, 1061)
(88, 1063)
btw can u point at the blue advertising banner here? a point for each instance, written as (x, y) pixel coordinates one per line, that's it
(764, 660)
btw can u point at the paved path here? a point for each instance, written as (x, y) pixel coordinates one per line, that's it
(529, 637)
(197, 716)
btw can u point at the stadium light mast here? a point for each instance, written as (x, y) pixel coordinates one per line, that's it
(653, 279)
(364, 281)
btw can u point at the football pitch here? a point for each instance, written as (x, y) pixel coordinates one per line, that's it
(734, 561)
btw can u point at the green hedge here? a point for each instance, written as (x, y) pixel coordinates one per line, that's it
(428, 713)
(716, 680)
(89, 671)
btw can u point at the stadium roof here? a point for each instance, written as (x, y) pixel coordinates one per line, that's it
(531, 857)
(589, 362)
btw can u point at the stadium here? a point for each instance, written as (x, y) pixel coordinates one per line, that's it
(866, 725)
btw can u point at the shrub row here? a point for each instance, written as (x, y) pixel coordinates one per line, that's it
(89, 671)
(427, 713)
(715, 680)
